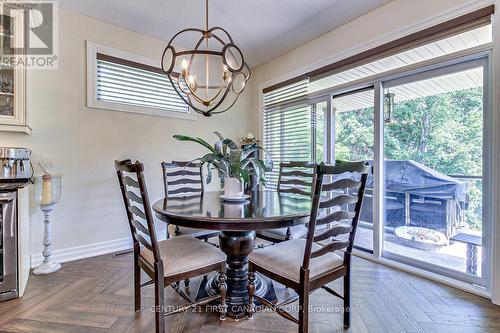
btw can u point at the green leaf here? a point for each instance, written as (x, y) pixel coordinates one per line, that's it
(248, 150)
(209, 174)
(230, 143)
(197, 140)
(245, 176)
(221, 138)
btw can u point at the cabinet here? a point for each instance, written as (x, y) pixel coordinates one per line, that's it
(13, 116)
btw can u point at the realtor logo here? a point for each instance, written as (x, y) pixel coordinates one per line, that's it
(29, 33)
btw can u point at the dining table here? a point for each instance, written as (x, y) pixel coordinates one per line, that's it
(237, 223)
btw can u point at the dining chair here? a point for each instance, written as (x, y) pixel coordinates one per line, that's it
(309, 264)
(296, 178)
(184, 181)
(169, 260)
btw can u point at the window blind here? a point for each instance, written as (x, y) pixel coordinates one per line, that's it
(125, 82)
(288, 127)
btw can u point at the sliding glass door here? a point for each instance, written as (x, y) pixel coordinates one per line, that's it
(432, 150)
(425, 129)
(433, 170)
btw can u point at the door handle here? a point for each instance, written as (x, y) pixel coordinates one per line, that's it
(8, 201)
(7, 196)
(12, 220)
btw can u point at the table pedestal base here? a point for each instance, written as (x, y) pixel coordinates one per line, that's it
(238, 301)
(237, 245)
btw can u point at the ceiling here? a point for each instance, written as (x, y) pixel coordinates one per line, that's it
(263, 29)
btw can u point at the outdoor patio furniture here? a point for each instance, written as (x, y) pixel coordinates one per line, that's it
(419, 196)
(473, 241)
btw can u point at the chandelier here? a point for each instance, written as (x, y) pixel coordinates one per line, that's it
(211, 75)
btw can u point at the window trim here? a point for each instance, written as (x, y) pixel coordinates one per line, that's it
(92, 102)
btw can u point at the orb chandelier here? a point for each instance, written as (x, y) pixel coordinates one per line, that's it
(211, 75)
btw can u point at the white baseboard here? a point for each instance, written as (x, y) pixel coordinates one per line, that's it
(84, 251)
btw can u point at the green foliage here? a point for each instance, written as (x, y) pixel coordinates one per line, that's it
(443, 132)
(230, 161)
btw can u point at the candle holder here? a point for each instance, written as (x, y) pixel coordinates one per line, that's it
(47, 195)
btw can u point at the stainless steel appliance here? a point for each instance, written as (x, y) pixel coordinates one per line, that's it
(15, 164)
(8, 246)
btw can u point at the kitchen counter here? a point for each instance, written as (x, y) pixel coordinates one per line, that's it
(11, 185)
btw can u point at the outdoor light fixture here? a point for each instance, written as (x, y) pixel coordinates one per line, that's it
(210, 76)
(388, 107)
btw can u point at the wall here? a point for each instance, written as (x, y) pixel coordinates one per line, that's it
(83, 143)
(391, 21)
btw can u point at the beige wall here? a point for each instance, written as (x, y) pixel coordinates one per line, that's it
(83, 143)
(386, 23)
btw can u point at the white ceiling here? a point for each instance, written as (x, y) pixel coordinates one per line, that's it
(263, 29)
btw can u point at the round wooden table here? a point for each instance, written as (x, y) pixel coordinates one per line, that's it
(237, 223)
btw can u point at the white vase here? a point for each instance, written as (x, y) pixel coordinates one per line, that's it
(233, 187)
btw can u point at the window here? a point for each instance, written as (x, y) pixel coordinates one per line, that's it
(421, 115)
(123, 81)
(290, 127)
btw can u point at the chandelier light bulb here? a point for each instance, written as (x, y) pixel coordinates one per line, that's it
(191, 80)
(184, 68)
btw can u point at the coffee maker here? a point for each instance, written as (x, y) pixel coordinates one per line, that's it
(15, 164)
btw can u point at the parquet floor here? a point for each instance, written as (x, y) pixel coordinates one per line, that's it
(95, 295)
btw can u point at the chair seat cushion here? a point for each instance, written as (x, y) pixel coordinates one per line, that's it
(183, 254)
(285, 259)
(296, 232)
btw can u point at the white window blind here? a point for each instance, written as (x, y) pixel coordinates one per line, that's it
(125, 82)
(288, 127)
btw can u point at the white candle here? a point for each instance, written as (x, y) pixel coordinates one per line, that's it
(46, 189)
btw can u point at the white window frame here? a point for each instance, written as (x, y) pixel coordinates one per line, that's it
(446, 276)
(92, 102)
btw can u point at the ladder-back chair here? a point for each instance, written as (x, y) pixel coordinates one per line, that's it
(309, 264)
(169, 260)
(296, 178)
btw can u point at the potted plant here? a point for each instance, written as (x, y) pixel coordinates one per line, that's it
(235, 165)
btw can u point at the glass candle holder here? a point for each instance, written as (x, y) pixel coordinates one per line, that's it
(48, 188)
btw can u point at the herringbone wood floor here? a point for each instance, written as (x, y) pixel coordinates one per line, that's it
(95, 295)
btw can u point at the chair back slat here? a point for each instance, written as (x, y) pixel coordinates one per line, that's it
(331, 211)
(341, 184)
(181, 172)
(338, 201)
(330, 247)
(337, 216)
(130, 182)
(185, 181)
(295, 191)
(143, 241)
(139, 226)
(296, 173)
(137, 206)
(333, 232)
(298, 182)
(182, 178)
(184, 190)
(134, 197)
(296, 177)
(137, 212)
